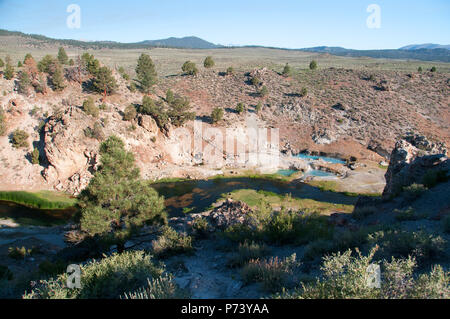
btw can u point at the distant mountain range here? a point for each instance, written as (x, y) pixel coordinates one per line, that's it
(186, 42)
(424, 52)
(425, 46)
(413, 52)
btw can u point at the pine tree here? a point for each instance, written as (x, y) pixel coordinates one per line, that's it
(240, 108)
(146, 72)
(27, 56)
(264, 91)
(217, 115)
(258, 107)
(179, 111)
(9, 69)
(116, 202)
(24, 83)
(58, 78)
(45, 64)
(169, 96)
(287, 70)
(62, 56)
(104, 81)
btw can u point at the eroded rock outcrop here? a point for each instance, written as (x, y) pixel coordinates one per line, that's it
(411, 160)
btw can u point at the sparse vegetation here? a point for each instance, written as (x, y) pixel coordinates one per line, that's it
(130, 113)
(171, 243)
(189, 68)
(90, 108)
(19, 139)
(35, 156)
(240, 108)
(102, 278)
(346, 276)
(313, 65)
(2, 122)
(159, 288)
(217, 115)
(209, 62)
(274, 273)
(287, 70)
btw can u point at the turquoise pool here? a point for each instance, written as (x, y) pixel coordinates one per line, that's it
(324, 158)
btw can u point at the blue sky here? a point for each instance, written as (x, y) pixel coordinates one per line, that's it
(280, 23)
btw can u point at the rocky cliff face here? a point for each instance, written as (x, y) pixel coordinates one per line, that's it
(411, 160)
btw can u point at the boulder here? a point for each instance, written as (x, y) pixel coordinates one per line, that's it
(412, 158)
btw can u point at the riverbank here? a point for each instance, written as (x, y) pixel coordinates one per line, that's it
(47, 200)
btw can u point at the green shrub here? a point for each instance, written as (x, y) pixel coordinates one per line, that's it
(313, 65)
(256, 81)
(90, 108)
(129, 113)
(159, 288)
(405, 214)
(230, 70)
(346, 277)
(189, 68)
(209, 62)
(433, 69)
(247, 251)
(106, 278)
(20, 253)
(96, 132)
(170, 96)
(401, 243)
(217, 114)
(283, 227)
(200, 226)
(2, 122)
(304, 92)
(413, 191)
(273, 273)
(35, 156)
(258, 107)
(19, 139)
(419, 69)
(263, 92)
(171, 243)
(287, 70)
(240, 108)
